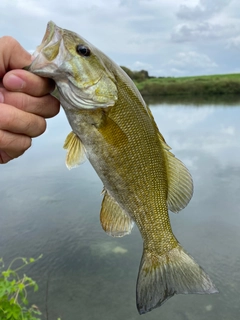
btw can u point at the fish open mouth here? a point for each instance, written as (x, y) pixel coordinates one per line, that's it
(52, 32)
(43, 58)
(48, 34)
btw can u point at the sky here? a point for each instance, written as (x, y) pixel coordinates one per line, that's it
(165, 37)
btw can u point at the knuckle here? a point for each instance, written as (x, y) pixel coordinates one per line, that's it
(7, 118)
(26, 144)
(53, 107)
(2, 139)
(14, 143)
(43, 126)
(19, 144)
(40, 127)
(4, 157)
(46, 106)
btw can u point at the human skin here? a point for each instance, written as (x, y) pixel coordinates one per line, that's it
(25, 101)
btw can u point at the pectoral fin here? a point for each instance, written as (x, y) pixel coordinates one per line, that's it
(75, 151)
(180, 184)
(112, 133)
(115, 221)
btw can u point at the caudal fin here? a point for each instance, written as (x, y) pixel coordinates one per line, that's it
(160, 277)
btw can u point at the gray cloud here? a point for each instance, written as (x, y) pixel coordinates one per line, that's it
(202, 31)
(203, 10)
(146, 34)
(233, 43)
(192, 59)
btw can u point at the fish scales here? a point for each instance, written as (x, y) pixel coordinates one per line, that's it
(132, 178)
(147, 175)
(127, 154)
(114, 128)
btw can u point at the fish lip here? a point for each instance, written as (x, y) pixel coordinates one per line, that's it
(49, 34)
(52, 35)
(52, 31)
(51, 26)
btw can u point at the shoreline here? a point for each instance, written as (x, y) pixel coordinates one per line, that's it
(222, 84)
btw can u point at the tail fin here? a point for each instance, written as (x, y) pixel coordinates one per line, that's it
(160, 277)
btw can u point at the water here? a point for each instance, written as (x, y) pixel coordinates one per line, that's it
(85, 274)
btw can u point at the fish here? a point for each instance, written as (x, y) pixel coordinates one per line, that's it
(114, 129)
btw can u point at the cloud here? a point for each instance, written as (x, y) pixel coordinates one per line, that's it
(229, 130)
(26, 8)
(186, 120)
(233, 43)
(177, 72)
(203, 10)
(201, 31)
(206, 20)
(138, 65)
(192, 59)
(148, 31)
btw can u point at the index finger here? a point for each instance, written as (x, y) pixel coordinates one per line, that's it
(27, 82)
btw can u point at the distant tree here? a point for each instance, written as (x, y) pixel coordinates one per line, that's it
(128, 72)
(136, 75)
(141, 75)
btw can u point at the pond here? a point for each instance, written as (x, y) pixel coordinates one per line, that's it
(84, 273)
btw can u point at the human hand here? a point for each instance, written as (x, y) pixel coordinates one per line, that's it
(25, 101)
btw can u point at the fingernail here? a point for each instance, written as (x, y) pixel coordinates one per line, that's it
(1, 97)
(15, 83)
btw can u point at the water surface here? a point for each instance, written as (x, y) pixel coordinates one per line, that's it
(84, 273)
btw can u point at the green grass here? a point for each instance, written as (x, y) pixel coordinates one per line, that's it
(200, 85)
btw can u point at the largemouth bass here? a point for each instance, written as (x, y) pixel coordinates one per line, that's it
(115, 130)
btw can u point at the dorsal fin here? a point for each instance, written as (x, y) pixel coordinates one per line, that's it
(180, 184)
(75, 151)
(114, 220)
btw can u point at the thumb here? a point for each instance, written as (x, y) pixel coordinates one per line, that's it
(12, 55)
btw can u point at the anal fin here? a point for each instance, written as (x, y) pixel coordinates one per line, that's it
(114, 220)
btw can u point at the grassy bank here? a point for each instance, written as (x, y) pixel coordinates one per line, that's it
(200, 85)
(204, 85)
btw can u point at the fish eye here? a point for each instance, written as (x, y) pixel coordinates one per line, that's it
(83, 50)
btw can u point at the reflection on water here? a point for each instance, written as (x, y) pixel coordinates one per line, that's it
(198, 100)
(85, 274)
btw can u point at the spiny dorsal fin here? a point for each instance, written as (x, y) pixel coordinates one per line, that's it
(75, 151)
(114, 220)
(180, 184)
